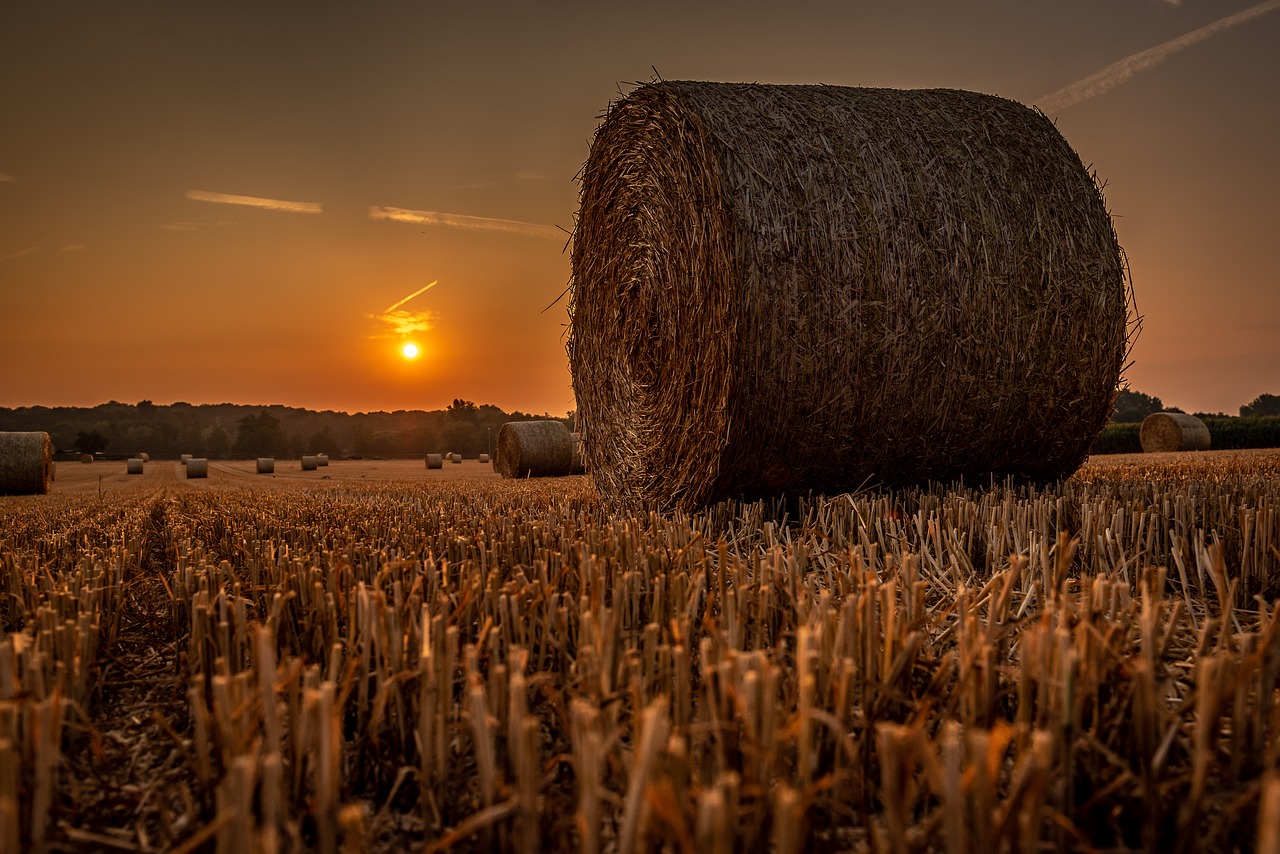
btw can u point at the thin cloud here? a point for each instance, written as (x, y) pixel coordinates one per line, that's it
(1113, 75)
(474, 223)
(255, 202)
(532, 176)
(5, 178)
(195, 226)
(74, 247)
(401, 322)
(30, 250)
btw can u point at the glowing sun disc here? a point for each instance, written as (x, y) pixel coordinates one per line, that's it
(409, 351)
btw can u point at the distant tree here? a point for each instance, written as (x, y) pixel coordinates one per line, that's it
(259, 436)
(91, 442)
(1263, 404)
(217, 442)
(1134, 406)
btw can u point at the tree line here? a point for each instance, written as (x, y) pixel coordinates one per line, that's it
(233, 431)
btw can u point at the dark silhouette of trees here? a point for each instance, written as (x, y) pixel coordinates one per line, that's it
(259, 436)
(1263, 404)
(91, 442)
(1132, 406)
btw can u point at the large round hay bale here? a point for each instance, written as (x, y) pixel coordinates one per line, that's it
(435, 461)
(144, 456)
(134, 465)
(86, 458)
(779, 289)
(1173, 431)
(266, 465)
(26, 463)
(484, 458)
(455, 458)
(322, 460)
(186, 458)
(534, 449)
(197, 467)
(309, 462)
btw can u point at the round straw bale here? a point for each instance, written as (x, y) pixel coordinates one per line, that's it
(86, 458)
(1173, 431)
(26, 463)
(322, 460)
(534, 449)
(185, 458)
(266, 465)
(134, 465)
(309, 462)
(144, 456)
(484, 458)
(197, 467)
(455, 458)
(782, 289)
(435, 461)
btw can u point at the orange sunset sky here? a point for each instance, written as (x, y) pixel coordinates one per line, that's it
(224, 202)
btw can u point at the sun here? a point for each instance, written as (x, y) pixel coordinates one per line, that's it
(409, 351)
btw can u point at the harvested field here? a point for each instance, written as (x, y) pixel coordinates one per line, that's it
(385, 657)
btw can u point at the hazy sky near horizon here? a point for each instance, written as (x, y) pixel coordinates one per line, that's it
(231, 202)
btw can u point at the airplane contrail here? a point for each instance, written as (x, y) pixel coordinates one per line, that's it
(411, 296)
(1116, 73)
(255, 202)
(481, 223)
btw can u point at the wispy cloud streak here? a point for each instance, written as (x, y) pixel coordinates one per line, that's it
(30, 250)
(475, 223)
(402, 322)
(255, 202)
(6, 178)
(72, 247)
(1113, 75)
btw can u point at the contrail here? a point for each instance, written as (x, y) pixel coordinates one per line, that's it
(482, 223)
(1118, 72)
(21, 253)
(255, 202)
(411, 296)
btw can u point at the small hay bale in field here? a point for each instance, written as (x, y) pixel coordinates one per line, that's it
(197, 467)
(534, 449)
(185, 458)
(26, 463)
(266, 465)
(86, 458)
(309, 462)
(783, 289)
(1173, 431)
(134, 465)
(455, 458)
(144, 456)
(484, 458)
(435, 461)
(322, 460)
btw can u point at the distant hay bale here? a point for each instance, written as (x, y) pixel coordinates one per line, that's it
(435, 461)
(309, 462)
(783, 289)
(534, 449)
(484, 458)
(266, 465)
(26, 463)
(185, 458)
(134, 465)
(86, 458)
(455, 458)
(145, 457)
(197, 467)
(322, 460)
(1173, 431)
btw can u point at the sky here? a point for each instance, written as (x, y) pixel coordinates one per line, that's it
(260, 203)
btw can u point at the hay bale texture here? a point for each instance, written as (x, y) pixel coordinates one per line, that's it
(134, 465)
(1173, 431)
(435, 461)
(534, 449)
(778, 289)
(484, 458)
(26, 463)
(322, 460)
(266, 465)
(197, 467)
(309, 462)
